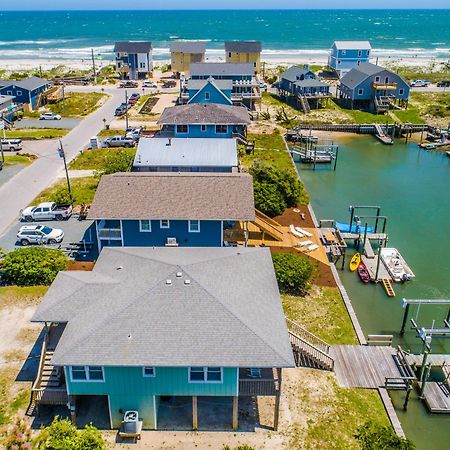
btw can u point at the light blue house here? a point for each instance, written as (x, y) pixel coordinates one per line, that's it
(133, 59)
(149, 209)
(373, 87)
(207, 91)
(346, 55)
(186, 155)
(204, 120)
(167, 332)
(289, 77)
(25, 91)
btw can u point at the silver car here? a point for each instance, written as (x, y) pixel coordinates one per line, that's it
(13, 145)
(39, 234)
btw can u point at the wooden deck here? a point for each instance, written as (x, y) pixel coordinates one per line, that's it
(364, 366)
(389, 407)
(437, 397)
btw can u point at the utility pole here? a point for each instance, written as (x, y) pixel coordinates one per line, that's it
(93, 66)
(62, 155)
(63, 94)
(2, 127)
(126, 111)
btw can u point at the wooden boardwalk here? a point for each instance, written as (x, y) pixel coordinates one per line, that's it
(389, 407)
(359, 366)
(437, 397)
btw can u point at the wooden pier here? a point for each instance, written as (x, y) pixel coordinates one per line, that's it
(436, 396)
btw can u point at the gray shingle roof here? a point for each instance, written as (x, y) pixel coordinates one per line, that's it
(185, 152)
(218, 69)
(188, 46)
(133, 47)
(176, 196)
(205, 113)
(28, 83)
(243, 46)
(360, 73)
(125, 314)
(310, 82)
(294, 73)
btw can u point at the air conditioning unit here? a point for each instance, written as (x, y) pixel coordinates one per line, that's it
(171, 242)
(131, 421)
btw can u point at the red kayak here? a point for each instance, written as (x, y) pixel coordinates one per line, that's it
(363, 273)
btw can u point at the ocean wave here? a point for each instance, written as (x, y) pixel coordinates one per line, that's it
(38, 42)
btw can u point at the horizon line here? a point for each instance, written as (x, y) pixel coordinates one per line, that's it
(228, 9)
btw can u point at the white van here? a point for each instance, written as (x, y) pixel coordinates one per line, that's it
(13, 145)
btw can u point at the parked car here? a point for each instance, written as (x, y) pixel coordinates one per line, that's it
(444, 83)
(39, 234)
(13, 145)
(262, 85)
(419, 83)
(50, 116)
(129, 84)
(46, 211)
(1, 165)
(133, 99)
(134, 133)
(121, 109)
(119, 141)
(149, 84)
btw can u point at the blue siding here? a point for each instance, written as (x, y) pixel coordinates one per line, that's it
(128, 389)
(195, 131)
(22, 95)
(215, 95)
(223, 77)
(347, 59)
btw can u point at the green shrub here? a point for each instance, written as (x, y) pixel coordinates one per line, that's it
(62, 435)
(117, 162)
(378, 437)
(293, 272)
(33, 266)
(273, 185)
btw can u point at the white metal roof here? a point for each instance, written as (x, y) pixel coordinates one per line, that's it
(352, 45)
(186, 152)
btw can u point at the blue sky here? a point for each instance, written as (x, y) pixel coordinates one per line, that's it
(208, 4)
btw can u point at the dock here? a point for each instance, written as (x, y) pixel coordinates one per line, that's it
(436, 396)
(390, 411)
(380, 135)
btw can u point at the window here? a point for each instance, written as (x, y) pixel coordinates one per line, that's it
(182, 128)
(339, 62)
(9, 92)
(254, 64)
(359, 53)
(401, 91)
(18, 92)
(203, 128)
(207, 95)
(87, 373)
(359, 62)
(221, 129)
(148, 372)
(377, 79)
(194, 226)
(142, 65)
(343, 52)
(164, 223)
(145, 226)
(386, 80)
(205, 374)
(360, 91)
(229, 54)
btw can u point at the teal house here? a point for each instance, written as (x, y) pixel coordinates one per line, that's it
(153, 328)
(204, 120)
(207, 91)
(174, 209)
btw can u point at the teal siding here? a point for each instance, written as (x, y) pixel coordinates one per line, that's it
(127, 389)
(215, 95)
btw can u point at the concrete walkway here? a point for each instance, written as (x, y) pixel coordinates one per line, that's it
(20, 190)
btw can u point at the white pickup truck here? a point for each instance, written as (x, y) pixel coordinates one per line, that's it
(46, 211)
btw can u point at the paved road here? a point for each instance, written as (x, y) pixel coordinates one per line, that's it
(68, 123)
(20, 190)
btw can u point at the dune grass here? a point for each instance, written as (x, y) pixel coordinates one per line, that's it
(77, 104)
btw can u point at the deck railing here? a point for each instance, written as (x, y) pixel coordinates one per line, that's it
(110, 233)
(257, 387)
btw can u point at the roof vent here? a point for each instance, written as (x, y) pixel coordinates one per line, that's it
(187, 282)
(129, 336)
(179, 274)
(168, 282)
(119, 267)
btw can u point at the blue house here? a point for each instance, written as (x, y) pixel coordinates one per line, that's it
(207, 91)
(204, 120)
(25, 91)
(157, 154)
(346, 55)
(245, 86)
(288, 78)
(149, 209)
(164, 330)
(373, 87)
(133, 59)
(7, 108)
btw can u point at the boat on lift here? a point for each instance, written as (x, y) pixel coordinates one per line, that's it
(396, 265)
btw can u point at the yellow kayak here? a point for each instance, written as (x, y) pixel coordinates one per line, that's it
(354, 262)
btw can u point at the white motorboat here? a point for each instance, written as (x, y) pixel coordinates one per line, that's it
(396, 265)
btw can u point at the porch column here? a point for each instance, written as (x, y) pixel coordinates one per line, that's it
(72, 408)
(246, 233)
(235, 412)
(277, 402)
(194, 413)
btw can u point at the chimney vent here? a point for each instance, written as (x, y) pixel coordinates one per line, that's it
(169, 143)
(168, 282)
(179, 274)
(187, 282)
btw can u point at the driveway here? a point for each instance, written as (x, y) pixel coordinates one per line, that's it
(21, 189)
(67, 123)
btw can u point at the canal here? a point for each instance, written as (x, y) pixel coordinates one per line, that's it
(412, 187)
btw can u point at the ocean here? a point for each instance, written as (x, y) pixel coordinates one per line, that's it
(300, 33)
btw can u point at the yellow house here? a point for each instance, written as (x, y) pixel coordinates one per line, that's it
(183, 53)
(244, 52)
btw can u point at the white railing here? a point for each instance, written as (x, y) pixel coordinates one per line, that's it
(110, 233)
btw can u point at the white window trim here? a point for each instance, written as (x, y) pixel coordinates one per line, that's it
(205, 374)
(182, 132)
(359, 53)
(203, 128)
(189, 226)
(377, 79)
(148, 376)
(18, 92)
(145, 231)
(164, 226)
(86, 371)
(360, 91)
(222, 132)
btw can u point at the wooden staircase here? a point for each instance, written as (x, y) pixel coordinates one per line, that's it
(304, 104)
(269, 226)
(309, 350)
(388, 287)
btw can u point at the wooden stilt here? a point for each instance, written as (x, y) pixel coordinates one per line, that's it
(277, 402)
(194, 413)
(235, 412)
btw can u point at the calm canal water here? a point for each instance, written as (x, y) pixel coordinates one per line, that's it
(412, 186)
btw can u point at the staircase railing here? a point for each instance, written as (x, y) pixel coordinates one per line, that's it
(310, 337)
(36, 391)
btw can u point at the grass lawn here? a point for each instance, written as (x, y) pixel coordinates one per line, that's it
(95, 159)
(433, 107)
(323, 313)
(110, 132)
(36, 133)
(77, 104)
(83, 191)
(412, 114)
(269, 148)
(23, 295)
(11, 160)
